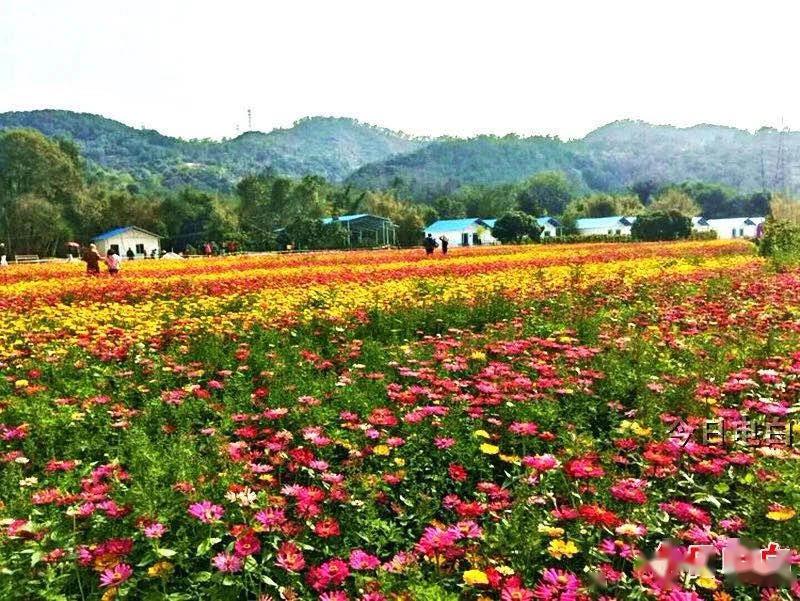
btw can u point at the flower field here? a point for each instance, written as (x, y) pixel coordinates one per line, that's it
(495, 424)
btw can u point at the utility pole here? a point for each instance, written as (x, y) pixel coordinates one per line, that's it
(780, 162)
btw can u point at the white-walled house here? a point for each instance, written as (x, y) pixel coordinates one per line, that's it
(463, 232)
(736, 227)
(550, 227)
(618, 225)
(120, 239)
(700, 225)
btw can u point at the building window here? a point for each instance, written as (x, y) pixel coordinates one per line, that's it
(465, 239)
(113, 249)
(741, 233)
(733, 234)
(140, 249)
(619, 232)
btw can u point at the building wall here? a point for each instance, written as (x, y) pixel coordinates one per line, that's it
(624, 230)
(549, 231)
(456, 236)
(130, 240)
(728, 229)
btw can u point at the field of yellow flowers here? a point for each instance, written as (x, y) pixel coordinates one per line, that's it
(501, 423)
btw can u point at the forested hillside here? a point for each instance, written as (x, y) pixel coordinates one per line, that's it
(329, 147)
(445, 165)
(609, 159)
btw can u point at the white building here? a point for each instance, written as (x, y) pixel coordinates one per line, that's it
(736, 227)
(699, 224)
(463, 232)
(550, 227)
(617, 225)
(141, 242)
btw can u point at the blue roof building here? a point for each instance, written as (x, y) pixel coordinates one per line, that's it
(138, 241)
(617, 225)
(470, 231)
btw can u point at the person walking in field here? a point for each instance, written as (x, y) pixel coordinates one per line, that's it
(113, 262)
(429, 244)
(445, 243)
(92, 259)
(3, 260)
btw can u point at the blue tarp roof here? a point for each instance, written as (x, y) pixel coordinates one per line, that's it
(453, 225)
(548, 220)
(328, 220)
(591, 223)
(121, 230)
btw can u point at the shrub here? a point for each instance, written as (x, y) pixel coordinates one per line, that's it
(516, 226)
(709, 235)
(781, 243)
(662, 225)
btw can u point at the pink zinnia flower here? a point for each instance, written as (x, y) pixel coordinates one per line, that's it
(630, 490)
(206, 511)
(516, 593)
(247, 545)
(116, 575)
(360, 560)
(290, 557)
(155, 530)
(226, 562)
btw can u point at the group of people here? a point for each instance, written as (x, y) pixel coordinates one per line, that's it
(92, 258)
(212, 248)
(430, 244)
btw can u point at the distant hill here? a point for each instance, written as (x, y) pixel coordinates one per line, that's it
(607, 159)
(330, 147)
(445, 165)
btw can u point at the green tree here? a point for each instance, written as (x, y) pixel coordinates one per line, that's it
(448, 207)
(644, 189)
(222, 223)
(781, 243)
(185, 216)
(547, 192)
(38, 226)
(600, 205)
(673, 199)
(661, 225)
(407, 217)
(30, 163)
(515, 227)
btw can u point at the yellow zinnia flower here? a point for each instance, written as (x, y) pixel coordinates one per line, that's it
(489, 449)
(559, 548)
(473, 577)
(780, 513)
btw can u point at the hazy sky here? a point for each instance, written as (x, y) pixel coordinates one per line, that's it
(425, 67)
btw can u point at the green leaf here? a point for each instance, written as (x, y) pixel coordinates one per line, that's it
(166, 552)
(206, 545)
